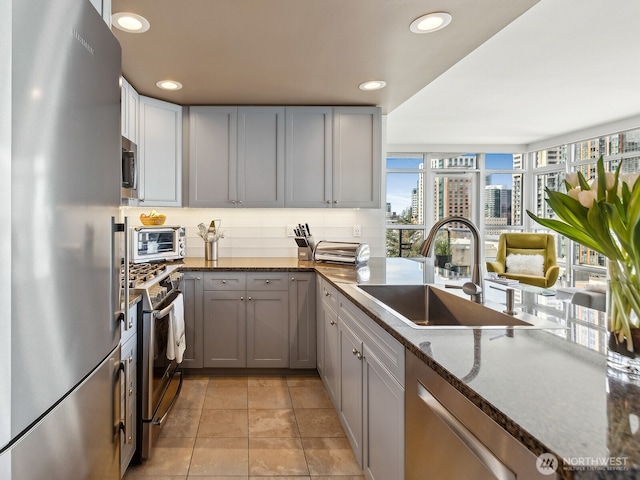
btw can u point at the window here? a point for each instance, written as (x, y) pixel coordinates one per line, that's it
(495, 191)
(582, 265)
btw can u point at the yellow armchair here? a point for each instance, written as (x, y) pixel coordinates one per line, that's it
(527, 244)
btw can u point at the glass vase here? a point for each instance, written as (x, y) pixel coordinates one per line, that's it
(623, 319)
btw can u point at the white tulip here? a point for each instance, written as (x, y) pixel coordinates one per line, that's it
(630, 179)
(574, 192)
(572, 179)
(587, 197)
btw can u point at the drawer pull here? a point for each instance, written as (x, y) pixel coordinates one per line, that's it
(267, 281)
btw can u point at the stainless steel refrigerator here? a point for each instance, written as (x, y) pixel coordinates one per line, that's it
(59, 275)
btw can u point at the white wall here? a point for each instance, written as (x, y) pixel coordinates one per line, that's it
(261, 232)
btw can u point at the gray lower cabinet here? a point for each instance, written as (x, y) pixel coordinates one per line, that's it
(302, 320)
(192, 292)
(371, 392)
(224, 329)
(267, 329)
(328, 357)
(246, 319)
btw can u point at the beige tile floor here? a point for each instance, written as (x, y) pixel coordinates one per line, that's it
(225, 428)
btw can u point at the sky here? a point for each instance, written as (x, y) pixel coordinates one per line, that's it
(399, 185)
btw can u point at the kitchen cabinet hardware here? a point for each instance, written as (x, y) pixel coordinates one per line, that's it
(249, 298)
(224, 281)
(241, 298)
(357, 354)
(332, 322)
(267, 281)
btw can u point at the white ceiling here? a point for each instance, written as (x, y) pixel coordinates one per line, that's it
(563, 66)
(504, 73)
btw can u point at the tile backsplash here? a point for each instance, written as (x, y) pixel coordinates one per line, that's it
(262, 232)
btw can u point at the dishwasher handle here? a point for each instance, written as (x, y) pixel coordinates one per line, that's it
(493, 464)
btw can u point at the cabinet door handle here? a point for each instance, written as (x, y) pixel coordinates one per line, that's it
(332, 322)
(335, 201)
(266, 281)
(293, 279)
(241, 298)
(249, 299)
(197, 278)
(357, 354)
(328, 202)
(327, 294)
(240, 201)
(224, 281)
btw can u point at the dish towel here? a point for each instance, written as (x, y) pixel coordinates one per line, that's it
(176, 343)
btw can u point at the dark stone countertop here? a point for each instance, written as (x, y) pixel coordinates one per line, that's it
(548, 388)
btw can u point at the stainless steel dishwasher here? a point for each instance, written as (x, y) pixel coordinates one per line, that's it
(447, 437)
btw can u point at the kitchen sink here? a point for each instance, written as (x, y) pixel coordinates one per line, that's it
(424, 306)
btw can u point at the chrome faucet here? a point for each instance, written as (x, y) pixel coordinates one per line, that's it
(427, 245)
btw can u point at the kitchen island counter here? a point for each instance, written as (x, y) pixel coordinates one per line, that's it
(548, 388)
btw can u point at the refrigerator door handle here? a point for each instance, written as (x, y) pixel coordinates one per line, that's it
(122, 310)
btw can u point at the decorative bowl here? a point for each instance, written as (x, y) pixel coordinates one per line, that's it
(153, 221)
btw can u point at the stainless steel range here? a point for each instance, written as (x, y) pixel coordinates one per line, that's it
(159, 378)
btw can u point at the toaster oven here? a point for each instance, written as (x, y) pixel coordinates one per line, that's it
(157, 244)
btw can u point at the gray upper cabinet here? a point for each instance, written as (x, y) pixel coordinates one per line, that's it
(160, 152)
(236, 157)
(213, 156)
(357, 157)
(299, 157)
(260, 157)
(309, 157)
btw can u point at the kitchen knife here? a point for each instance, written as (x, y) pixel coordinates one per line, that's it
(308, 231)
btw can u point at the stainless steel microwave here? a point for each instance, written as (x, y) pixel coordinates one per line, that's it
(129, 169)
(157, 244)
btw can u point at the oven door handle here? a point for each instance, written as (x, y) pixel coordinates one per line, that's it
(166, 310)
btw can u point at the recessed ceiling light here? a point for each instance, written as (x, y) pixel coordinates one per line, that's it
(130, 22)
(430, 22)
(372, 85)
(169, 85)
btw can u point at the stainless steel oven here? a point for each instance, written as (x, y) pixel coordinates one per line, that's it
(129, 169)
(161, 377)
(157, 244)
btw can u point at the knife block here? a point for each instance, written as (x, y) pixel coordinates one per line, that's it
(305, 253)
